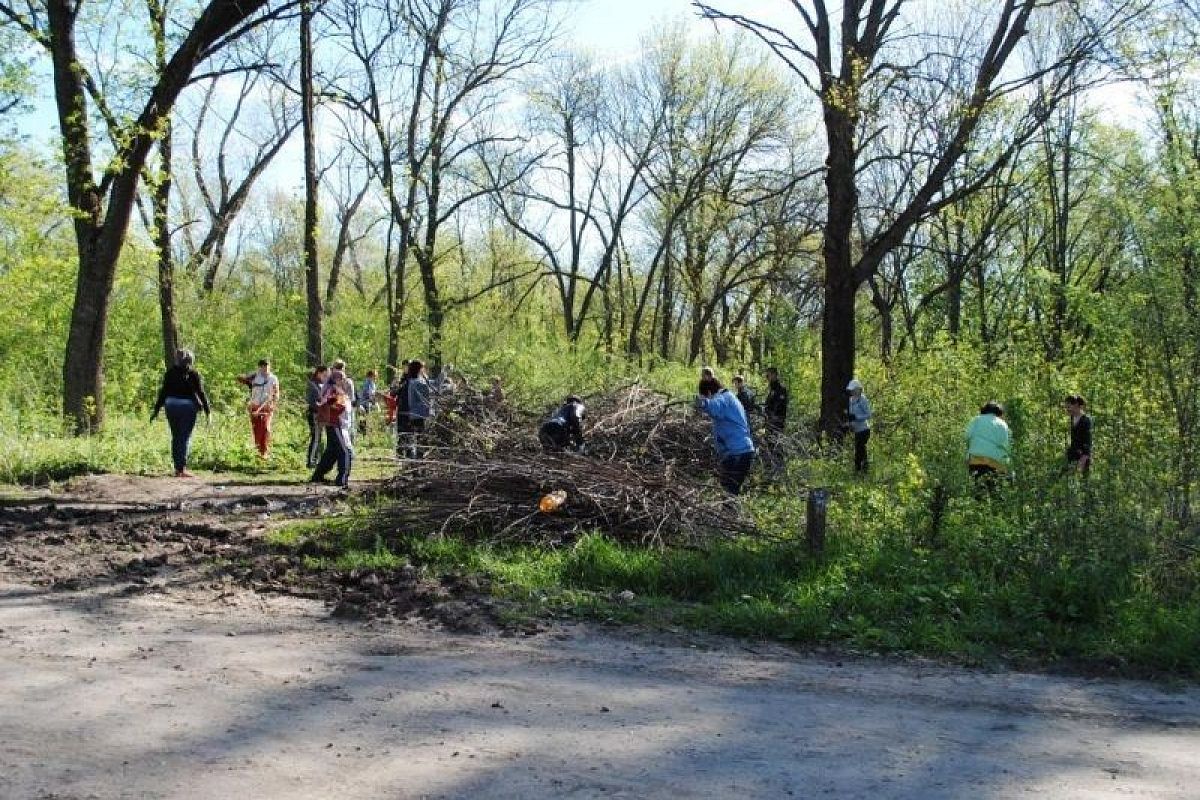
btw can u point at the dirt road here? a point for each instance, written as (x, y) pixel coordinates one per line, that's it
(186, 689)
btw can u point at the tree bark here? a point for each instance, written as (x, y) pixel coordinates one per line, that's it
(103, 210)
(314, 340)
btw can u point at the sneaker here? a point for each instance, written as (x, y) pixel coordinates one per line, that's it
(183, 473)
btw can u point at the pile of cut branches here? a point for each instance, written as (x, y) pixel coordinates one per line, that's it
(647, 476)
(497, 498)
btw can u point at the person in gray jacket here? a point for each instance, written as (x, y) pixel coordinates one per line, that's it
(859, 415)
(420, 404)
(312, 397)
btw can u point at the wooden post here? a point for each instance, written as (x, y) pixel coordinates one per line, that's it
(818, 502)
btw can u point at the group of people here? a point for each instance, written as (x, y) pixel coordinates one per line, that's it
(989, 442)
(334, 404)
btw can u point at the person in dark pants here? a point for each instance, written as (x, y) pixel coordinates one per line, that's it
(859, 416)
(989, 448)
(333, 413)
(312, 396)
(1079, 448)
(776, 405)
(399, 392)
(420, 409)
(565, 427)
(182, 395)
(731, 434)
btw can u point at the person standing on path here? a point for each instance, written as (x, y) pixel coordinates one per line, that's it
(182, 395)
(731, 433)
(264, 396)
(333, 413)
(1079, 447)
(312, 396)
(989, 446)
(859, 415)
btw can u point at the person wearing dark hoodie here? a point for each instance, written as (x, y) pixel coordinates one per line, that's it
(564, 428)
(1079, 447)
(731, 433)
(182, 395)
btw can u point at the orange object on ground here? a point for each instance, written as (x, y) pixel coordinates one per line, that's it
(552, 502)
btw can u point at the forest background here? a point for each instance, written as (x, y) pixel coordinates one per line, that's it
(954, 202)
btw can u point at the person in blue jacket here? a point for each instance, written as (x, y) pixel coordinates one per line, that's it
(731, 433)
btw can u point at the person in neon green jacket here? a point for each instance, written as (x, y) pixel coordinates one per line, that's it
(989, 443)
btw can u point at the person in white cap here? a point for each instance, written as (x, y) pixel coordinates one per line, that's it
(860, 422)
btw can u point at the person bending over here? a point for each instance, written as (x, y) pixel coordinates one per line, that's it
(565, 427)
(731, 434)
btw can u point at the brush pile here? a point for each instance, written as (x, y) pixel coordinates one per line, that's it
(499, 499)
(647, 476)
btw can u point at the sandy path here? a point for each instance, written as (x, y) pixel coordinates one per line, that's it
(106, 696)
(125, 674)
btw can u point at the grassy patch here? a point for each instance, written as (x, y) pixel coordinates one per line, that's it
(1014, 581)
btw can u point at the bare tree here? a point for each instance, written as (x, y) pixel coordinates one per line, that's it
(857, 59)
(103, 201)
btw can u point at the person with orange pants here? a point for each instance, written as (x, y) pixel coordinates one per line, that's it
(264, 396)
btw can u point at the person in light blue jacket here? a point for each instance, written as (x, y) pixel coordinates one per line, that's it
(859, 415)
(731, 433)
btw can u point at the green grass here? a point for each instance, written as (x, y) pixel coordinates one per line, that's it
(992, 586)
(35, 450)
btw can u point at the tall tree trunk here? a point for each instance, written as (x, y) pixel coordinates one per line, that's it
(161, 232)
(83, 373)
(841, 281)
(162, 240)
(314, 348)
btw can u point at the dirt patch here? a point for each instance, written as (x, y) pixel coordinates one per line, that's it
(140, 535)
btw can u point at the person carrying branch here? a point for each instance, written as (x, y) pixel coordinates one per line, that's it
(731, 433)
(264, 395)
(564, 428)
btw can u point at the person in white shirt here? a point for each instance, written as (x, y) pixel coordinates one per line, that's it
(264, 397)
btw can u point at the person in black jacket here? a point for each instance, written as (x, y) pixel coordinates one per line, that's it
(1079, 448)
(565, 426)
(744, 395)
(775, 407)
(182, 395)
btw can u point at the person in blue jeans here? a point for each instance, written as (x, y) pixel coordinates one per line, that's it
(731, 433)
(182, 395)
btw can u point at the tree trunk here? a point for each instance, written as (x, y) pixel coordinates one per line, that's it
(161, 231)
(162, 240)
(841, 281)
(314, 347)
